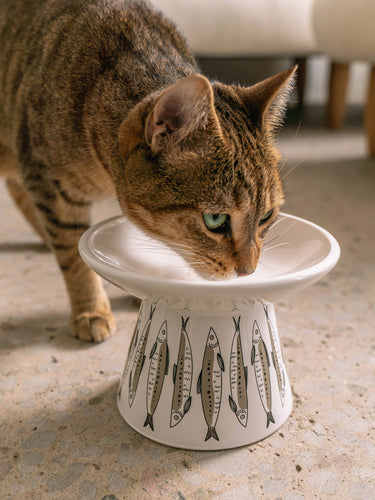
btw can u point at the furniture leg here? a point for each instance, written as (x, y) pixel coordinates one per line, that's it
(370, 114)
(301, 79)
(337, 92)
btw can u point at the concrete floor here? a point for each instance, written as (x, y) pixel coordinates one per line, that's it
(61, 436)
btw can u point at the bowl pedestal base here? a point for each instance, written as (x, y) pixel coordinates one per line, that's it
(205, 379)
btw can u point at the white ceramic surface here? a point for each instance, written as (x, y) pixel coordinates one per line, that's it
(296, 254)
(205, 369)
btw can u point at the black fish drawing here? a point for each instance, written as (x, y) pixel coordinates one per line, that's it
(182, 378)
(261, 362)
(277, 359)
(158, 369)
(131, 352)
(238, 378)
(210, 383)
(139, 359)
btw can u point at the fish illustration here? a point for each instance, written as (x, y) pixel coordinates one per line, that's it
(210, 383)
(182, 378)
(131, 352)
(261, 362)
(238, 378)
(159, 364)
(139, 359)
(277, 358)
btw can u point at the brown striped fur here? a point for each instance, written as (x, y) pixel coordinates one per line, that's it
(103, 98)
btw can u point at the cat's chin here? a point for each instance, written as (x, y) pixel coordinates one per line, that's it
(206, 275)
(221, 277)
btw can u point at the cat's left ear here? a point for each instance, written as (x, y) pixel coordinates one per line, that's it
(180, 110)
(266, 101)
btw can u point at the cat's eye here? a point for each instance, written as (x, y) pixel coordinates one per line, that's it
(216, 223)
(266, 217)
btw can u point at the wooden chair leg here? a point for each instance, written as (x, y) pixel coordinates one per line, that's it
(301, 79)
(337, 93)
(370, 114)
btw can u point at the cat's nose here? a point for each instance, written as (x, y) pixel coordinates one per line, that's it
(244, 272)
(246, 259)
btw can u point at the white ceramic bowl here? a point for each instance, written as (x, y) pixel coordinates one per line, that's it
(205, 369)
(296, 254)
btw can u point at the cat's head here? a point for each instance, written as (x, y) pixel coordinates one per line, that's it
(201, 171)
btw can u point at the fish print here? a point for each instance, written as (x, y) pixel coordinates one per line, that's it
(159, 364)
(182, 378)
(260, 361)
(131, 352)
(209, 384)
(277, 359)
(139, 359)
(238, 378)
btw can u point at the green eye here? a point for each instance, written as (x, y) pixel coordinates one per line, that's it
(217, 223)
(266, 217)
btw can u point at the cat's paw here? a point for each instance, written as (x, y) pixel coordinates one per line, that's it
(93, 326)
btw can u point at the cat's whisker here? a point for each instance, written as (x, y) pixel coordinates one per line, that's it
(148, 242)
(294, 168)
(280, 234)
(189, 257)
(282, 164)
(179, 267)
(277, 221)
(298, 129)
(270, 241)
(171, 244)
(210, 277)
(284, 161)
(276, 246)
(180, 246)
(269, 264)
(186, 256)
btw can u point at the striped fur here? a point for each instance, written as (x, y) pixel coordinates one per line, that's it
(103, 98)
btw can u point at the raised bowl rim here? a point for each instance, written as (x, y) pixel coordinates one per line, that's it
(243, 286)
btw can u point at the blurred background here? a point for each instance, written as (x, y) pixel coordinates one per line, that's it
(247, 40)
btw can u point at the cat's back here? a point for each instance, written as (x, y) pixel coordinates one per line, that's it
(30, 24)
(83, 34)
(53, 53)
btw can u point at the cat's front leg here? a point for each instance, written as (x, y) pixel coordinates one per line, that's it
(64, 219)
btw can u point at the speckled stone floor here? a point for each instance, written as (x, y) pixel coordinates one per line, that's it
(61, 436)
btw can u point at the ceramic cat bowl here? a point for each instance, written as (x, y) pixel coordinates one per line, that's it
(205, 369)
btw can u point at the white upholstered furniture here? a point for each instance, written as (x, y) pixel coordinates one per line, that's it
(244, 27)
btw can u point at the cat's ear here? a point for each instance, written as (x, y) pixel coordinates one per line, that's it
(266, 101)
(180, 110)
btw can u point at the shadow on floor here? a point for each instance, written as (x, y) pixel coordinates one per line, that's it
(52, 328)
(23, 247)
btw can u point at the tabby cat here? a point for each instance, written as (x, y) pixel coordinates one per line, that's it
(103, 97)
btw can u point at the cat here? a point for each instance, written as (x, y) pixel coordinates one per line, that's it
(104, 98)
